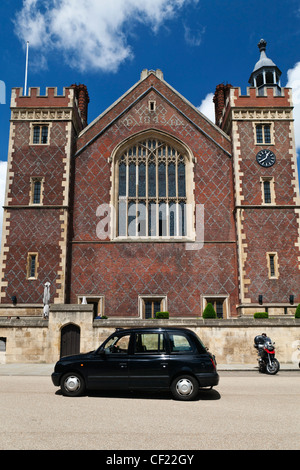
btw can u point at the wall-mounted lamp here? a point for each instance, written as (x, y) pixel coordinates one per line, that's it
(14, 300)
(260, 299)
(292, 297)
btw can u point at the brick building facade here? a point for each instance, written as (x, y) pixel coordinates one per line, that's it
(152, 206)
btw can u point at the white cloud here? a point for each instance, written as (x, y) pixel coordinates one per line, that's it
(193, 37)
(294, 83)
(3, 167)
(207, 107)
(90, 33)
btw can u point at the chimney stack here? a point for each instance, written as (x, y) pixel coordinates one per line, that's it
(221, 93)
(83, 99)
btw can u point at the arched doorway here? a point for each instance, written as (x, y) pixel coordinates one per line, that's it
(70, 340)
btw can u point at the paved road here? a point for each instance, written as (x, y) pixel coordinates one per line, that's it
(247, 410)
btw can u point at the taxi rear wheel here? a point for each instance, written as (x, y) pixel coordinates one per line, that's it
(185, 387)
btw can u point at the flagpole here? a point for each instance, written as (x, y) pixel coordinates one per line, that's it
(26, 70)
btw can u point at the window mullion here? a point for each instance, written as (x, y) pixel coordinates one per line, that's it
(151, 167)
(127, 194)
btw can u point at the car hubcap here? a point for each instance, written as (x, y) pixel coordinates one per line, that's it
(184, 387)
(72, 383)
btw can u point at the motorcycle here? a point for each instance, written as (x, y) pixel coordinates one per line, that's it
(266, 354)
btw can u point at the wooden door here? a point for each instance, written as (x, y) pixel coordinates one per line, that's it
(70, 340)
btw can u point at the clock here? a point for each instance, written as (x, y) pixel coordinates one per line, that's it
(265, 158)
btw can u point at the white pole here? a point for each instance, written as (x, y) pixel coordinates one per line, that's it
(26, 70)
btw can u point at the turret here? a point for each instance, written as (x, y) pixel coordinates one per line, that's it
(265, 73)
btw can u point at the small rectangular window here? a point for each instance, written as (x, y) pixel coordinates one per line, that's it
(263, 133)
(36, 190)
(32, 265)
(149, 305)
(96, 301)
(36, 134)
(44, 136)
(40, 134)
(152, 105)
(219, 303)
(151, 308)
(259, 134)
(273, 265)
(268, 190)
(267, 134)
(219, 308)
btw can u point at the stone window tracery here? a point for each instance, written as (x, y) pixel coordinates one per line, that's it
(151, 196)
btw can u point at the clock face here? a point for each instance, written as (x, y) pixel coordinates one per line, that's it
(265, 158)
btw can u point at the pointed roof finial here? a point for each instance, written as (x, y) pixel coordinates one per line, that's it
(262, 45)
(265, 72)
(264, 61)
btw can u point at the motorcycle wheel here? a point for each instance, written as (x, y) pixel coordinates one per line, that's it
(272, 368)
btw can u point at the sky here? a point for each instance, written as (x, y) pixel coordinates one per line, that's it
(105, 44)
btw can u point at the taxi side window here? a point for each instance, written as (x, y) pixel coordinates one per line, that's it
(180, 343)
(118, 344)
(149, 343)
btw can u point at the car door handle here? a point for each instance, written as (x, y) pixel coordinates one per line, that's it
(123, 365)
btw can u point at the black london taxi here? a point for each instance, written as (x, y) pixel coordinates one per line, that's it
(172, 359)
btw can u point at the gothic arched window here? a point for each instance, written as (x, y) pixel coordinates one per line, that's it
(151, 197)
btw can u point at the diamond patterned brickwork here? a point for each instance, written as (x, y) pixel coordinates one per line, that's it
(123, 271)
(212, 170)
(39, 229)
(282, 171)
(142, 87)
(38, 160)
(271, 231)
(32, 231)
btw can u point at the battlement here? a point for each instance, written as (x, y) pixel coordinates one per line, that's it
(269, 98)
(228, 97)
(35, 99)
(75, 96)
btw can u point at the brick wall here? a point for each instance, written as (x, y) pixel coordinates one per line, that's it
(264, 228)
(123, 271)
(39, 228)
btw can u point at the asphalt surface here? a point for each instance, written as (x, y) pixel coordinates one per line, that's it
(246, 411)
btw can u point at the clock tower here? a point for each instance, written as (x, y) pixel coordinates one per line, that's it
(266, 188)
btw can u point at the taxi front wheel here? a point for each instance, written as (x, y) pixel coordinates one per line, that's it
(72, 385)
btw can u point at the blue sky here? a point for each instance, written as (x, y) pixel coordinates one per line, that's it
(105, 44)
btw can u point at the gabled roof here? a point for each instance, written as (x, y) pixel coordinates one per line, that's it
(153, 81)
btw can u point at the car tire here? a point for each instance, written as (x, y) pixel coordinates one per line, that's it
(72, 385)
(185, 387)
